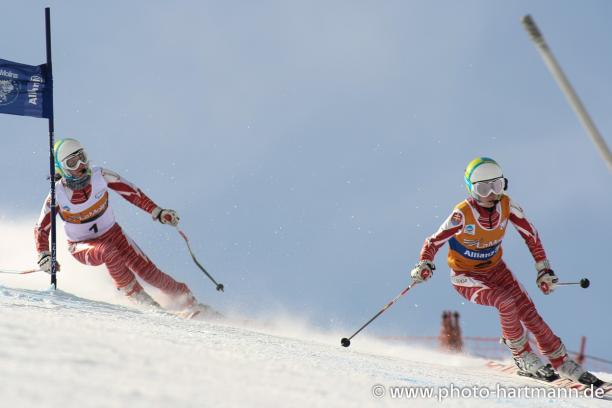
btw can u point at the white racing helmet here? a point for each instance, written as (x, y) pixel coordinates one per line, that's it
(69, 155)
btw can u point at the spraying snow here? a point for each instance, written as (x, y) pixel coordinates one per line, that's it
(17, 252)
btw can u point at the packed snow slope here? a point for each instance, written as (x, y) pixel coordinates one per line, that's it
(60, 350)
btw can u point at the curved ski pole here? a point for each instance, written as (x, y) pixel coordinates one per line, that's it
(567, 89)
(21, 272)
(347, 341)
(219, 285)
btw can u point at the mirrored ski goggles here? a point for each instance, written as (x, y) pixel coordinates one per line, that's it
(73, 161)
(484, 188)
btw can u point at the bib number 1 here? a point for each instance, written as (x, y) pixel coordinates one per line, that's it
(94, 228)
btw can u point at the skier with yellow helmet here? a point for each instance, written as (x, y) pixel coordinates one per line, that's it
(475, 230)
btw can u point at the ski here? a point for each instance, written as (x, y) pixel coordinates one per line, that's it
(553, 380)
(200, 312)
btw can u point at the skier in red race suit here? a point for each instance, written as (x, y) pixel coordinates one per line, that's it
(474, 231)
(95, 238)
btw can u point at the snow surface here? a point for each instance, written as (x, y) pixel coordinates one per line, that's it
(60, 350)
(88, 347)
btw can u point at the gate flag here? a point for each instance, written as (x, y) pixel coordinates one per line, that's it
(25, 90)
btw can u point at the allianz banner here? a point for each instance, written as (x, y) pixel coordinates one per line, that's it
(25, 90)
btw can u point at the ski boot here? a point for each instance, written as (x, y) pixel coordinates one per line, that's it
(571, 370)
(138, 296)
(530, 365)
(202, 311)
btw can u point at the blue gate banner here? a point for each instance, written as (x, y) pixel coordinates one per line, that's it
(25, 90)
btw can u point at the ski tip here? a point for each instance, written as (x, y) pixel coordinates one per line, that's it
(187, 314)
(200, 312)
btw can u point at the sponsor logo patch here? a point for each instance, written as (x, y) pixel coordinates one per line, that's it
(470, 229)
(89, 214)
(456, 219)
(479, 244)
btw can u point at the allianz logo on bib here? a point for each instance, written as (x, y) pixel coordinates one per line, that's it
(481, 254)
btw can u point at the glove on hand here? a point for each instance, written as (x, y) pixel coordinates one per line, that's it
(546, 280)
(44, 262)
(422, 271)
(166, 216)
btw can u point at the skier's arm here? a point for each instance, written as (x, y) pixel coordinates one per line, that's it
(43, 226)
(135, 196)
(128, 191)
(41, 237)
(527, 231)
(546, 278)
(425, 267)
(451, 226)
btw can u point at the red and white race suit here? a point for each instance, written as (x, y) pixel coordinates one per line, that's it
(95, 238)
(479, 274)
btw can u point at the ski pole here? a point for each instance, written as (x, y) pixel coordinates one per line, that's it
(21, 272)
(347, 342)
(584, 283)
(219, 285)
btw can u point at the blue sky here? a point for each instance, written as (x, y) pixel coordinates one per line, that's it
(311, 147)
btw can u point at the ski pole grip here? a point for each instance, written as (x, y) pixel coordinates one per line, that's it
(533, 30)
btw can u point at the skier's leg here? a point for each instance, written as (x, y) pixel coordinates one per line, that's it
(135, 259)
(494, 293)
(548, 343)
(497, 292)
(86, 252)
(104, 251)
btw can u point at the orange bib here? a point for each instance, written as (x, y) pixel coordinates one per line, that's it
(475, 247)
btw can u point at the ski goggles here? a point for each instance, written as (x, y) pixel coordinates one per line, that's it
(484, 188)
(73, 161)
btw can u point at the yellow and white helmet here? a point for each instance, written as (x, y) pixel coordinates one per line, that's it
(483, 176)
